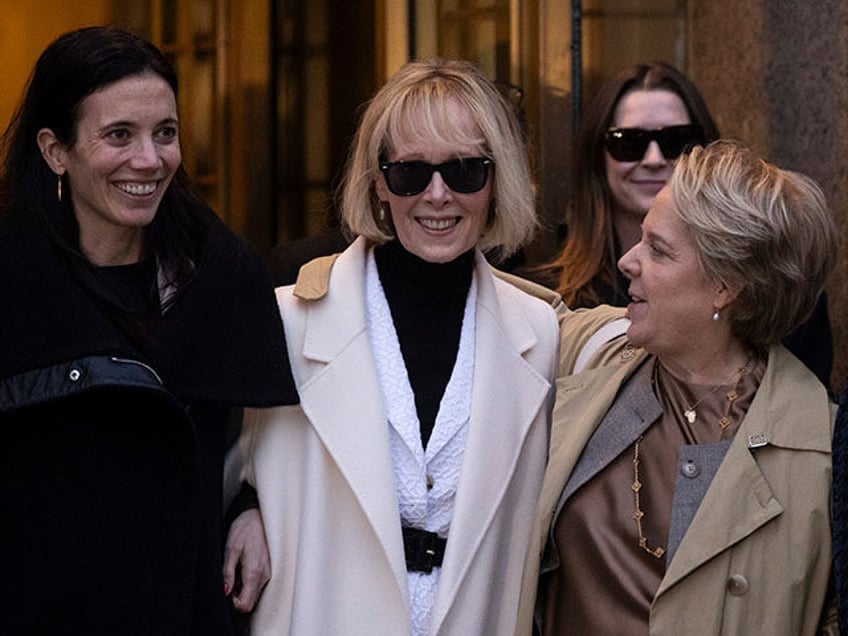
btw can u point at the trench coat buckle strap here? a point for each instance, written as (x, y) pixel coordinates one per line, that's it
(424, 550)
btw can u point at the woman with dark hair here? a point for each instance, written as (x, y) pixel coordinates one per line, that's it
(618, 172)
(637, 125)
(134, 325)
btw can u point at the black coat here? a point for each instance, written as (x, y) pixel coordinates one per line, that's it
(111, 477)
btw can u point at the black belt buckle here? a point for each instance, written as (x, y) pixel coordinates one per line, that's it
(424, 550)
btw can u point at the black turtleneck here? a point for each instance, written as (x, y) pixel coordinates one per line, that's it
(427, 301)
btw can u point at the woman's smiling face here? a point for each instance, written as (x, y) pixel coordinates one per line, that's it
(438, 224)
(125, 155)
(634, 184)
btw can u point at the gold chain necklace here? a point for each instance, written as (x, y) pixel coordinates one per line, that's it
(637, 512)
(690, 413)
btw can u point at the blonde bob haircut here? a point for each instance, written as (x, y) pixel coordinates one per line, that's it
(764, 232)
(416, 105)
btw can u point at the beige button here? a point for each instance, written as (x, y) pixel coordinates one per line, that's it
(737, 585)
(429, 482)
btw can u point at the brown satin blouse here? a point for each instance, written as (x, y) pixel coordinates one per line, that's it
(605, 582)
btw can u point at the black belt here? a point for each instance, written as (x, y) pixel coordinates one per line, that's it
(424, 550)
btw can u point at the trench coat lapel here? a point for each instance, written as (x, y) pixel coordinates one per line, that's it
(345, 405)
(582, 401)
(738, 502)
(739, 499)
(635, 409)
(508, 395)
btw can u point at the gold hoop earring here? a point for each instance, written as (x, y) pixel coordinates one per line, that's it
(59, 188)
(383, 218)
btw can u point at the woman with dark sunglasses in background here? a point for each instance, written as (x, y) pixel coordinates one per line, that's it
(639, 122)
(637, 125)
(399, 497)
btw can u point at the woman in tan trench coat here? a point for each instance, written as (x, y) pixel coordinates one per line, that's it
(688, 484)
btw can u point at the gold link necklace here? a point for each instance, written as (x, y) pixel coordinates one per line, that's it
(690, 414)
(637, 513)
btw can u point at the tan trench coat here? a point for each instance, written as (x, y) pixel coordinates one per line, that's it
(756, 558)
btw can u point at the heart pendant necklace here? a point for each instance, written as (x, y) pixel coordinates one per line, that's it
(691, 414)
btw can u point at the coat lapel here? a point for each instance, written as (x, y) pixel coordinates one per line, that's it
(739, 499)
(508, 394)
(724, 519)
(635, 409)
(341, 397)
(582, 400)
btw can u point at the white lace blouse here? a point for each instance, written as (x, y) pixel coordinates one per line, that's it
(440, 464)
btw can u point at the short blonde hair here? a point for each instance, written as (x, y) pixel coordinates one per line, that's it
(765, 232)
(416, 102)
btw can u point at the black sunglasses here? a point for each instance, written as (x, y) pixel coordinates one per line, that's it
(407, 178)
(630, 144)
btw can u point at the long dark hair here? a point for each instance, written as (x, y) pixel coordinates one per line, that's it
(587, 263)
(71, 68)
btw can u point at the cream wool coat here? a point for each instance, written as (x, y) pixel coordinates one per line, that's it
(323, 468)
(756, 557)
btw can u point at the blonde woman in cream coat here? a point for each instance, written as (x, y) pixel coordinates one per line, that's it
(349, 486)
